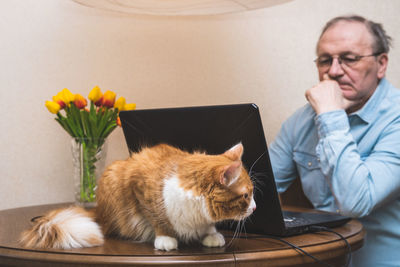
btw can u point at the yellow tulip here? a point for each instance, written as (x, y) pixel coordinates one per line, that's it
(120, 103)
(79, 101)
(66, 96)
(58, 99)
(52, 106)
(131, 106)
(109, 99)
(95, 96)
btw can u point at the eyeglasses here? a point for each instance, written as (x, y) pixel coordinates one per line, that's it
(347, 59)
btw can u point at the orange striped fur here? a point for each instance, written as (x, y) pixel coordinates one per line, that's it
(161, 194)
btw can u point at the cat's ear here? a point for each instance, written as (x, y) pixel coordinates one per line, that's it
(235, 153)
(231, 173)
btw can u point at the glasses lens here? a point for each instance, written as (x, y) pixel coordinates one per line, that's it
(324, 61)
(349, 60)
(346, 59)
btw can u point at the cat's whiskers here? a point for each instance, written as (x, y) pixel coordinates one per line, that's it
(236, 233)
(258, 182)
(250, 219)
(255, 162)
(239, 229)
(254, 176)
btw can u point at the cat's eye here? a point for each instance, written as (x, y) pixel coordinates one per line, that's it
(245, 196)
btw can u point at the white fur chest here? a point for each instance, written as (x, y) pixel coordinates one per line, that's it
(188, 214)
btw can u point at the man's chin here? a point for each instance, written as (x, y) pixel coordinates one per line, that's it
(349, 95)
(348, 92)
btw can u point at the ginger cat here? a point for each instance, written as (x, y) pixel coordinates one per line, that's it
(161, 194)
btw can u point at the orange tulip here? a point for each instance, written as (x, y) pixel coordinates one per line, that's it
(80, 102)
(118, 121)
(109, 99)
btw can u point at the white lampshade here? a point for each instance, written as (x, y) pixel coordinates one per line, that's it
(179, 7)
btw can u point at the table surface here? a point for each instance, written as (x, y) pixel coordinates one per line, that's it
(248, 250)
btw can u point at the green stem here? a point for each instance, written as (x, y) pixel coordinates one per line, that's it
(90, 148)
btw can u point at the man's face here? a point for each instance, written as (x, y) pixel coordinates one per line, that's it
(357, 80)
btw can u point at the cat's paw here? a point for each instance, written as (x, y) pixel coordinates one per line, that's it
(214, 240)
(167, 243)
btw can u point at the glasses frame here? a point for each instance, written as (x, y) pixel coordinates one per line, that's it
(357, 58)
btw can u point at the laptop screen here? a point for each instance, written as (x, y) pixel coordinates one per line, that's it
(213, 129)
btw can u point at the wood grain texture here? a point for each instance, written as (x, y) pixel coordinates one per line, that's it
(251, 251)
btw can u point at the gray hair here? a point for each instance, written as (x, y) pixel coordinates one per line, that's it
(382, 42)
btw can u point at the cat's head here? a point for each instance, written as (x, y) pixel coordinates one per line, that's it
(231, 197)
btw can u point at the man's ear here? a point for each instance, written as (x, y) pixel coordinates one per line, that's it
(382, 65)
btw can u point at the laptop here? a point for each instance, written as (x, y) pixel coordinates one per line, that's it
(215, 129)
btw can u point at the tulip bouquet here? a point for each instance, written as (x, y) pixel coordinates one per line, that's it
(97, 122)
(89, 128)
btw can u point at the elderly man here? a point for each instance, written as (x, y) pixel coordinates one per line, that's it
(345, 143)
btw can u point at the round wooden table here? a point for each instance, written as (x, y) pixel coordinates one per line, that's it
(248, 250)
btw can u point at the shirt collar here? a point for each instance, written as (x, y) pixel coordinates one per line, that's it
(370, 109)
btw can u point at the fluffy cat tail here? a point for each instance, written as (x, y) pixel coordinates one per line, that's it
(67, 228)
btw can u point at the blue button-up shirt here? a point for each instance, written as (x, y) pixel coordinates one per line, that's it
(349, 164)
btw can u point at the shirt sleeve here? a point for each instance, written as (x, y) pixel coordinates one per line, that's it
(281, 157)
(359, 184)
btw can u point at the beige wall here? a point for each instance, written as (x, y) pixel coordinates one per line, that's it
(263, 56)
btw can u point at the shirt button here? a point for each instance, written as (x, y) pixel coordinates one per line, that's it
(309, 164)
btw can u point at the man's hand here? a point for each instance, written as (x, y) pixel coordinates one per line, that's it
(327, 96)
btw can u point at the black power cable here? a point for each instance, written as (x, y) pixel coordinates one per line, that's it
(327, 229)
(302, 251)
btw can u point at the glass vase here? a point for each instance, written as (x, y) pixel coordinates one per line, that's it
(88, 156)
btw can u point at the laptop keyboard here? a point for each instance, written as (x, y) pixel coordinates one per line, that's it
(295, 221)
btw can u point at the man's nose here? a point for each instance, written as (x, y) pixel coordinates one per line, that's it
(336, 68)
